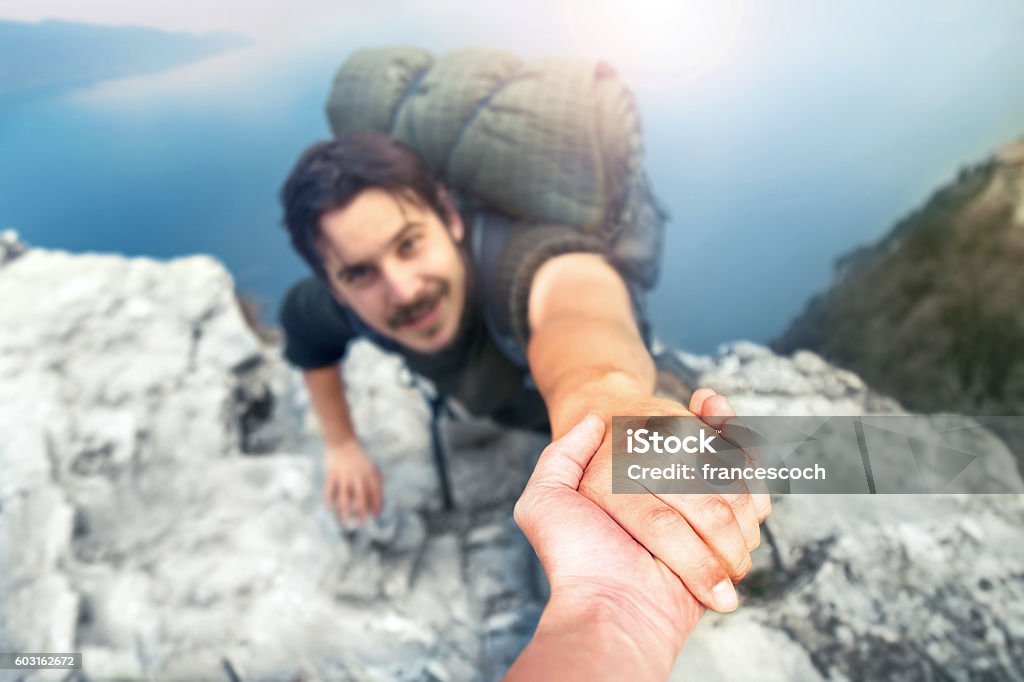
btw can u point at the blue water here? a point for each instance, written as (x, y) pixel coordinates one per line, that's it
(163, 178)
(833, 125)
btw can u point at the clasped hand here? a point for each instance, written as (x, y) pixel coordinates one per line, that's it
(705, 540)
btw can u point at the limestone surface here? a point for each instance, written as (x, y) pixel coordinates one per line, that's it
(160, 511)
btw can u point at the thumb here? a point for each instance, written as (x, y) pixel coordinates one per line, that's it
(563, 461)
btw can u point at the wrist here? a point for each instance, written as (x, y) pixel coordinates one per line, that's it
(342, 448)
(608, 381)
(602, 619)
(599, 393)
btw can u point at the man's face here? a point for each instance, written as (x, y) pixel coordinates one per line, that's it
(395, 265)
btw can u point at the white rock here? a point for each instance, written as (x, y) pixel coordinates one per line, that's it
(132, 522)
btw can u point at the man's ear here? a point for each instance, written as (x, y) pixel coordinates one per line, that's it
(451, 217)
(338, 295)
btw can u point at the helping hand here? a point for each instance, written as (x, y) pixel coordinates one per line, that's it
(609, 596)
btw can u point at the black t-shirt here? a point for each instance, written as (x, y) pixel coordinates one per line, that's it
(473, 369)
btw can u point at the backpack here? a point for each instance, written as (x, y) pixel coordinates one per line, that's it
(553, 140)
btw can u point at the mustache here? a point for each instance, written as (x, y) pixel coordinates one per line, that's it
(410, 312)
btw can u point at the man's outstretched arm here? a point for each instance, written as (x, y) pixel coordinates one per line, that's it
(352, 482)
(584, 342)
(586, 355)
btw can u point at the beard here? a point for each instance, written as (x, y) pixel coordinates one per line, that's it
(411, 312)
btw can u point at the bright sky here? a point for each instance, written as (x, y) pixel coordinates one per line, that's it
(652, 41)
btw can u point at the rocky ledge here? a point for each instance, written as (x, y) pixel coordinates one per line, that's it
(160, 511)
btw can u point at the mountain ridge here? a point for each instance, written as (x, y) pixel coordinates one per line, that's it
(53, 55)
(930, 313)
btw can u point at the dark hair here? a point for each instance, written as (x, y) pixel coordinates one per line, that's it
(330, 174)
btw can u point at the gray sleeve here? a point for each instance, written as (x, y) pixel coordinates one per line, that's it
(527, 248)
(317, 329)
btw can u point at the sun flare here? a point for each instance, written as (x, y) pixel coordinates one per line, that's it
(657, 43)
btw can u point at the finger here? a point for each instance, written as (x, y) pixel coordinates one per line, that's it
(715, 410)
(668, 536)
(717, 523)
(563, 461)
(746, 514)
(372, 487)
(739, 434)
(736, 433)
(375, 493)
(738, 497)
(344, 492)
(734, 490)
(330, 490)
(698, 398)
(358, 498)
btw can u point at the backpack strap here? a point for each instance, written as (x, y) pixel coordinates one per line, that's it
(490, 235)
(437, 401)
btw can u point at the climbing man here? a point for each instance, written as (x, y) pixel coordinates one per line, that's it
(460, 295)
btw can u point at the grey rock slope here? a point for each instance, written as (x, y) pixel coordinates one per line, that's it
(865, 587)
(160, 511)
(161, 507)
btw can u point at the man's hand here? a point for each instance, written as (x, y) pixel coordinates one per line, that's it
(352, 488)
(615, 611)
(705, 539)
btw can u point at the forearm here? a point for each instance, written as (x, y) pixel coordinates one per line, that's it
(596, 638)
(327, 395)
(580, 364)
